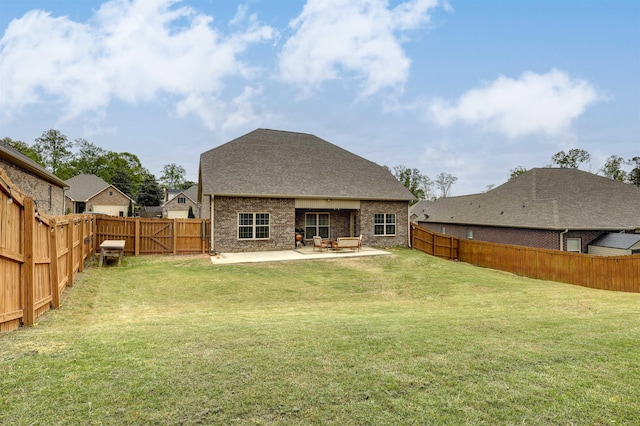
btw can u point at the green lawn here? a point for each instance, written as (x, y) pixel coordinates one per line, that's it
(401, 339)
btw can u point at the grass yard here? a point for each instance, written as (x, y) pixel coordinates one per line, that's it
(401, 339)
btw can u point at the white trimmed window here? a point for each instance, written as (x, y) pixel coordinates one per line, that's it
(316, 224)
(469, 234)
(384, 224)
(182, 200)
(253, 226)
(574, 245)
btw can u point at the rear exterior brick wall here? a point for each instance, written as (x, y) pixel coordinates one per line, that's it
(281, 223)
(367, 211)
(284, 219)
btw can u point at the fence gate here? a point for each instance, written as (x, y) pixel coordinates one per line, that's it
(156, 237)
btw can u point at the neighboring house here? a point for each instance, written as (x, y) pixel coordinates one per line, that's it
(551, 208)
(33, 180)
(615, 245)
(263, 187)
(89, 193)
(177, 203)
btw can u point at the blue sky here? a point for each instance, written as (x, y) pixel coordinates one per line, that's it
(470, 88)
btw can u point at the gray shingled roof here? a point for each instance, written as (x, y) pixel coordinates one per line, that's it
(19, 159)
(619, 241)
(272, 163)
(84, 187)
(544, 198)
(191, 193)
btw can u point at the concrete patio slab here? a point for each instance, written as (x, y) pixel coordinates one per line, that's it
(303, 253)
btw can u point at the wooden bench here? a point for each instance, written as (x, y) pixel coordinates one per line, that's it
(112, 248)
(352, 243)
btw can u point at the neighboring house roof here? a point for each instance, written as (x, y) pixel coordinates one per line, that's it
(617, 241)
(191, 193)
(544, 198)
(84, 187)
(272, 163)
(14, 156)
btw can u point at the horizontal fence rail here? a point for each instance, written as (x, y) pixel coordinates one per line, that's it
(155, 236)
(433, 243)
(39, 256)
(616, 273)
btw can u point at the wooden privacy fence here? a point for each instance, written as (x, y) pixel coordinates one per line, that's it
(617, 273)
(155, 236)
(433, 243)
(39, 256)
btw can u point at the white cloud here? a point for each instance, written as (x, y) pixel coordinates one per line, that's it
(357, 36)
(534, 103)
(130, 51)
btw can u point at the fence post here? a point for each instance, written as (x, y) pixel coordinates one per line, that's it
(136, 238)
(81, 243)
(55, 278)
(28, 272)
(70, 251)
(174, 237)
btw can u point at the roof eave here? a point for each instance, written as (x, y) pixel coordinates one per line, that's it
(49, 177)
(307, 197)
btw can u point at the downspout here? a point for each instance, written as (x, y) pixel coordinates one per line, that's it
(562, 239)
(409, 226)
(212, 248)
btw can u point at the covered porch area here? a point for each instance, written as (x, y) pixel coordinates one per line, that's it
(328, 219)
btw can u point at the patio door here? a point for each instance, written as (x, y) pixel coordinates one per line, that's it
(316, 224)
(354, 226)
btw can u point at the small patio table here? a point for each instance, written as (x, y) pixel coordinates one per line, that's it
(112, 248)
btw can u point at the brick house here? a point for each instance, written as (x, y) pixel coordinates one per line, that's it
(177, 203)
(33, 180)
(89, 193)
(263, 187)
(550, 208)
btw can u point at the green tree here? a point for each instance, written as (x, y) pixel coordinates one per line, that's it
(172, 176)
(122, 180)
(517, 172)
(613, 168)
(24, 149)
(444, 182)
(420, 185)
(55, 150)
(186, 184)
(634, 175)
(150, 193)
(572, 159)
(125, 169)
(190, 215)
(89, 159)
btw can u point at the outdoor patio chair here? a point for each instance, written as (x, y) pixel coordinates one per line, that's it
(317, 242)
